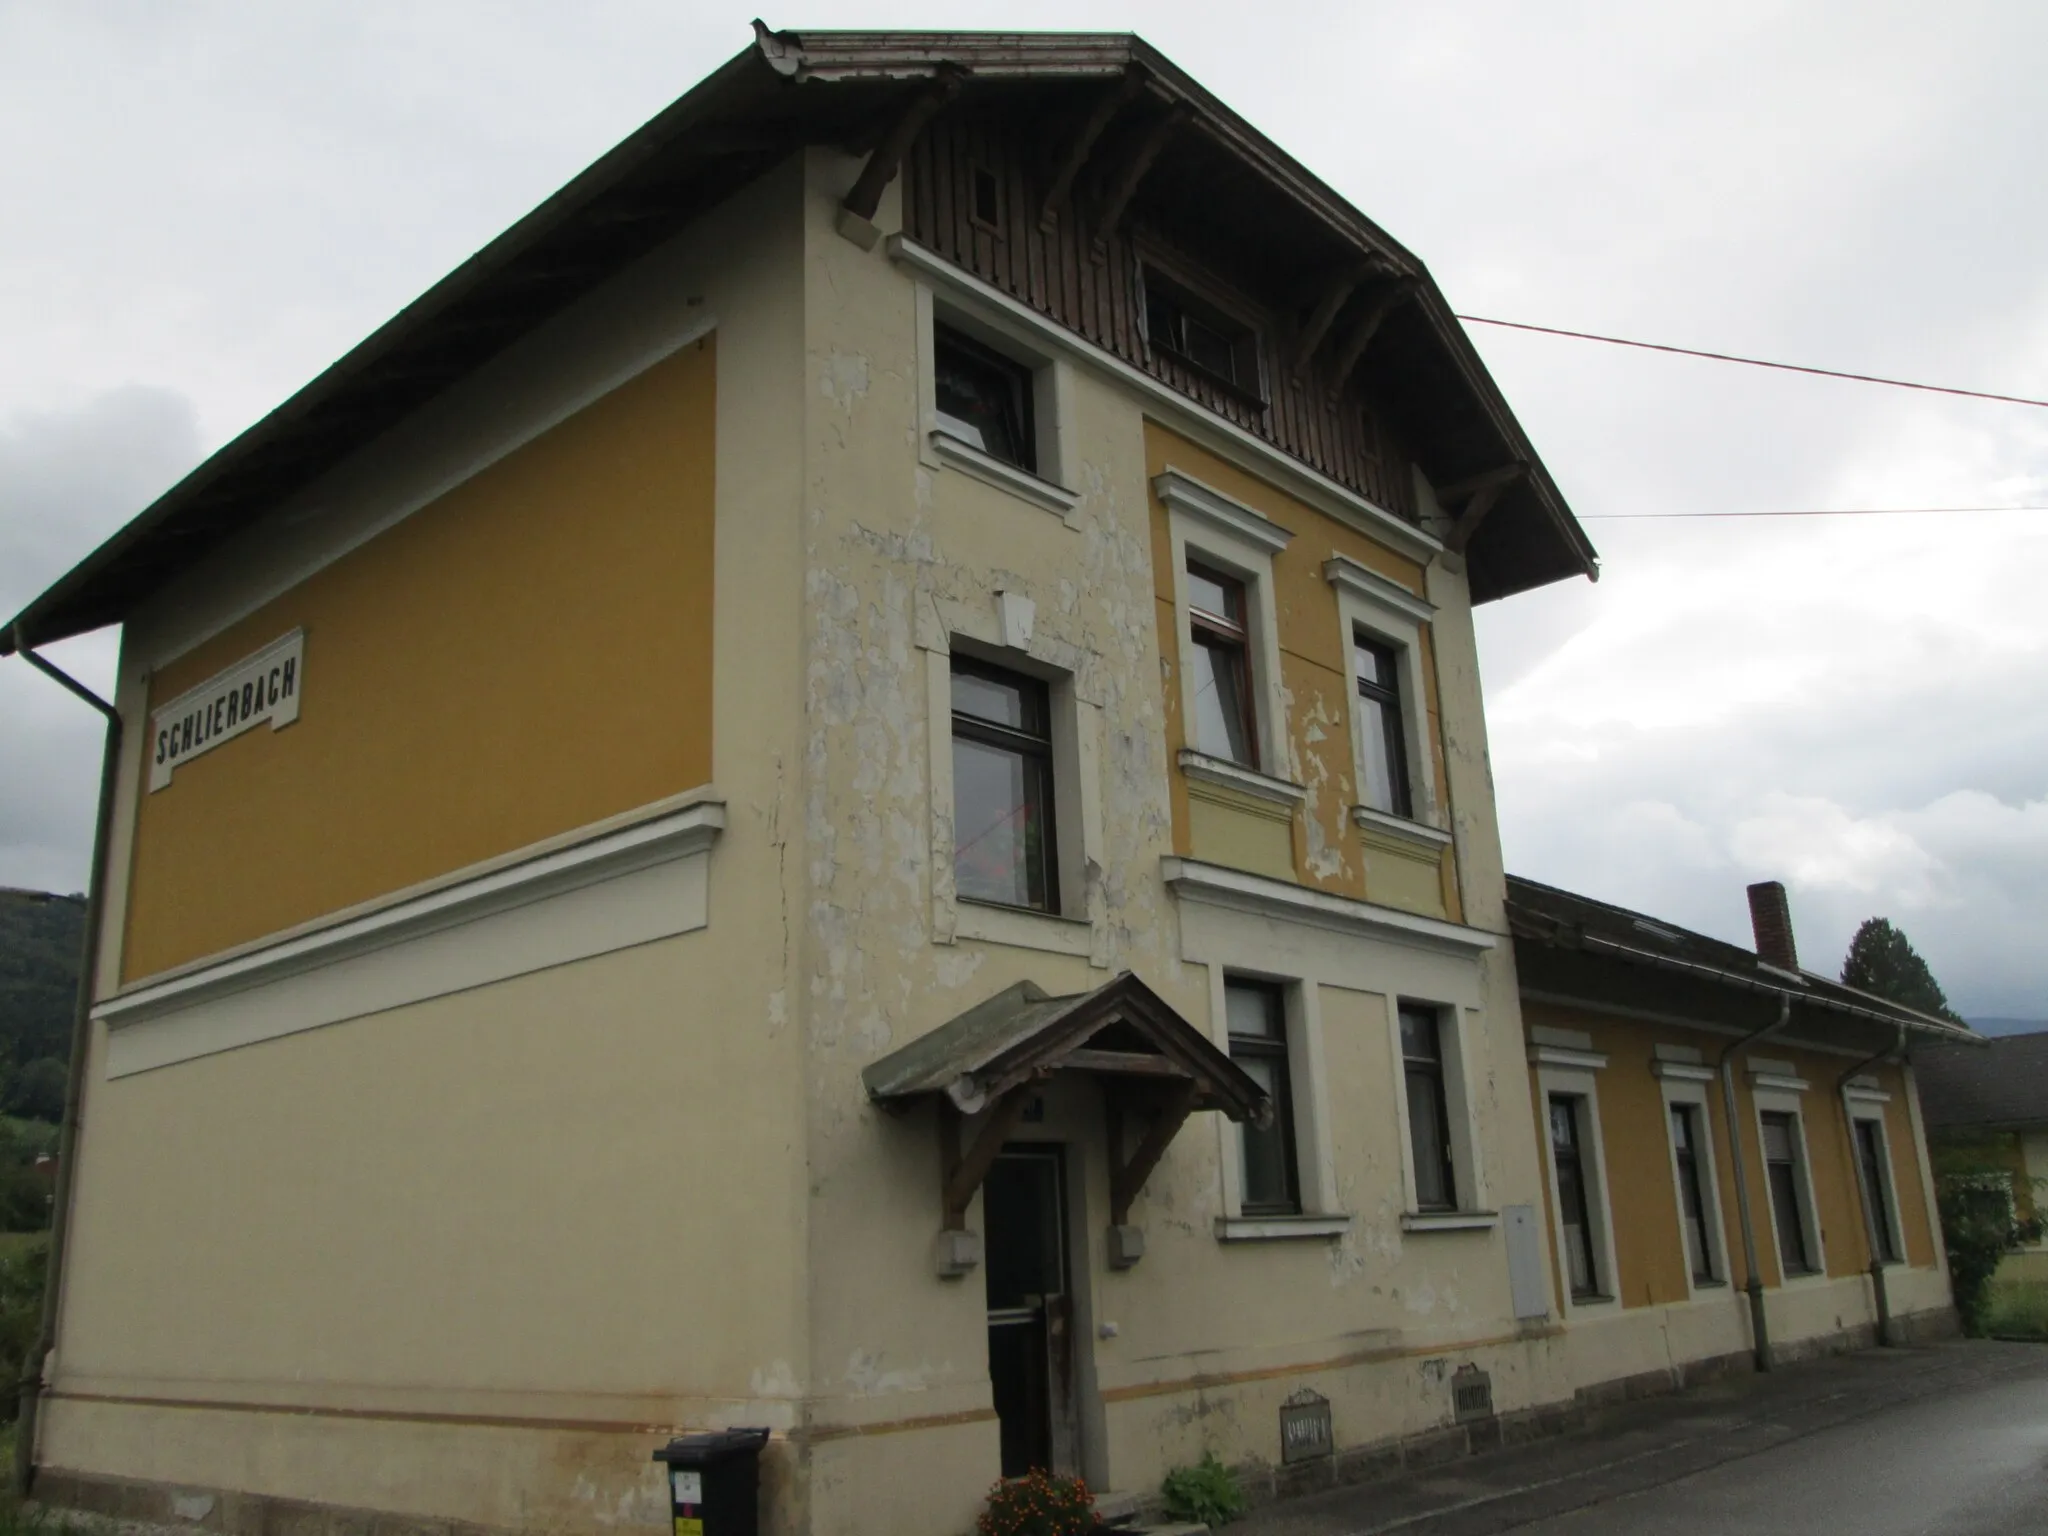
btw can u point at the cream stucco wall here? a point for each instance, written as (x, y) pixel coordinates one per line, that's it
(472, 1258)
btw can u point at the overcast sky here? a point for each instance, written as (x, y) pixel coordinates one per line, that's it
(207, 203)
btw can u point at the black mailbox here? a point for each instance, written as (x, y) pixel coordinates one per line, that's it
(714, 1482)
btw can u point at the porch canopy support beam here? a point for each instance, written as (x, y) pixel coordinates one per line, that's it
(1126, 1179)
(1360, 336)
(1480, 493)
(1137, 160)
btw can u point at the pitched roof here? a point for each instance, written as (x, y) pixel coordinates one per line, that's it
(786, 91)
(1543, 914)
(1023, 1032)
(2005, 1085)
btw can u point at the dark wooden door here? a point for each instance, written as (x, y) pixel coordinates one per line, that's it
(1030, 1344)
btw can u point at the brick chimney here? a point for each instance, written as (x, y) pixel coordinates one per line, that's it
(1770, 917)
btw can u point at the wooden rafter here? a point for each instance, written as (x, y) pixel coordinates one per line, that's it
(1138, 158)
(1126, 1178)
(883, 164)
(1367, 326)
(1107, 105)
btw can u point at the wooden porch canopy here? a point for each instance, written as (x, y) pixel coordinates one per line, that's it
(1156, 1068)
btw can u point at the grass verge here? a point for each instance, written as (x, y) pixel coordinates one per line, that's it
(2017, 1309)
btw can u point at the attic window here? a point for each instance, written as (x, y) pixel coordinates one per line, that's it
(1642, 925)
(988, 202)
(1198, 334)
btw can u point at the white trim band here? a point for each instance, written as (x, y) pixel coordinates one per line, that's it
(620, 888)
(1449, 1221)
(1347, 575)
(1243, 1229)
(1261, 896)
(1008, 477)
(1220, 770)
(1205, 504)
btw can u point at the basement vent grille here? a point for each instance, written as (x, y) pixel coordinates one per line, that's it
(1471, 1395)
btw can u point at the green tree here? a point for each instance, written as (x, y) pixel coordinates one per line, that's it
(1883, 962)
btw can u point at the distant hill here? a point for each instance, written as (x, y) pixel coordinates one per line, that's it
(40, 935)
(2009, 1026)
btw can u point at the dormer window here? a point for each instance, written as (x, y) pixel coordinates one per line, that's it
(1199, 334)
(984, 398)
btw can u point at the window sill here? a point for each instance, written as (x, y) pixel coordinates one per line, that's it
(1449, 1221)
(1021, 928)
(1593, 1299)
(1255, 1229)
(1418, 832)
(1219, 770)
(1008, 477)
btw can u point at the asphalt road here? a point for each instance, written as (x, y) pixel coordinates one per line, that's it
(1969, 1461)
(1946, 1440)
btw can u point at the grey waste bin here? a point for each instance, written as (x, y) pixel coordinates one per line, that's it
(714, 1482)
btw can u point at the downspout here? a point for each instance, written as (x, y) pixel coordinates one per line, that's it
(1880, 1297)
(1759, 1328)
(31, 1386)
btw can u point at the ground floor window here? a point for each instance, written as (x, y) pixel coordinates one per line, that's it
(1429, 1117)
(1788, 1201)
(1574, 1194)
(1870, 1152)
(1256, 1015)
(1692, 1204)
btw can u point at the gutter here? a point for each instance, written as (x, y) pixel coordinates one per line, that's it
(1922, 1022)
(1759, 1325)
(1880, 1296)
(30, 1388)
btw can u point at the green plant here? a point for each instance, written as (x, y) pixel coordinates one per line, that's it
(2016, 1309)
(1980, 1226)
(21, 1312)
(1038, 1504)
(1204, 1494)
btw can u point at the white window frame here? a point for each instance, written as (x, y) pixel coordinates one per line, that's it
(1216, 530)
(1688, 1083)
(1007, 636)
(1467, 1167)
(1396, 618)
(1568, 1067)
(1866, 1102)
(1775, 1087)
(1050, 487)
(1315, 1160)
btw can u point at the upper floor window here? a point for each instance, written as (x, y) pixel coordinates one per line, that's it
(1199, 333)
(1225, 723)
(1004, 843)
(1256, 1017)
(984, 398)
(1384, 772)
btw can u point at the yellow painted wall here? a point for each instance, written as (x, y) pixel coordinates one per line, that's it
(1649, 1246)
(528, 654)
(1315, 664)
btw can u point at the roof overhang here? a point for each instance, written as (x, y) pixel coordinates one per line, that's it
(786, 91)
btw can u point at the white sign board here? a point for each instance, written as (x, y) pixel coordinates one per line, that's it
(262, 687)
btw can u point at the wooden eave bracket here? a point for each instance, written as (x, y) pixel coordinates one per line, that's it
(1137, 161)
(1332, 303)
(866, 194)
(1367, 326)
(1481, 492)
(1100, 116)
